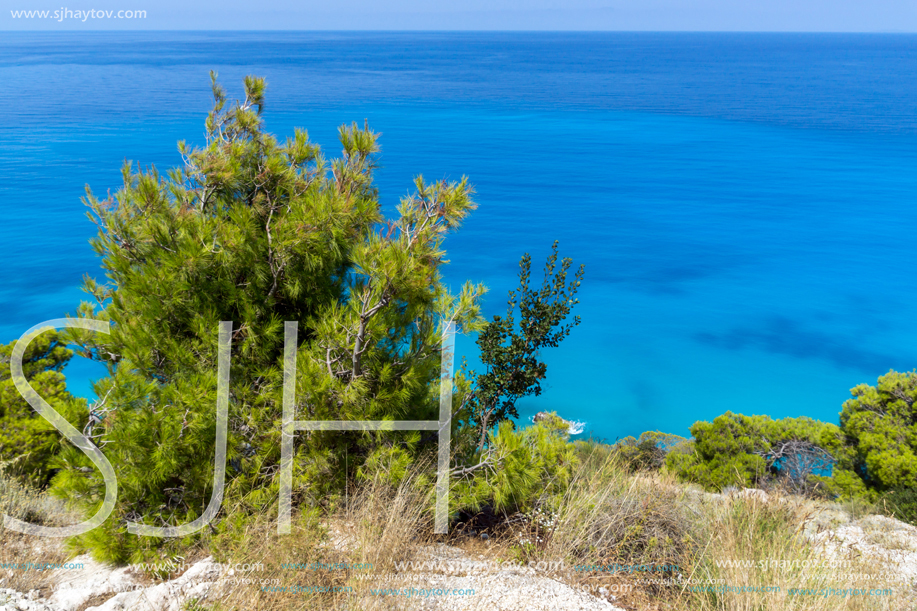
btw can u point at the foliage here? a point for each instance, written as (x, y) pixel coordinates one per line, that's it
(880, 423)
(521, 470)
(389, 463)
(744, 450)
(873, 453)
(903, 503)
(259, 232)
(511, 353)
(648, 452)
(845, 484)
(28, 442)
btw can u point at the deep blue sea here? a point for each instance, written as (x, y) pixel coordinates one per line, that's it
(745, 204)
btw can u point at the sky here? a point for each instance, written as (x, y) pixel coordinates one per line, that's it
(633, 15)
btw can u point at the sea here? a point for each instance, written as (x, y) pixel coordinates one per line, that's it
(745, 204)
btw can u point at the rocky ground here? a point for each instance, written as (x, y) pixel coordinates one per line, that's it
(103, 588)
(118, 589)
(498, 587)
(886, 541)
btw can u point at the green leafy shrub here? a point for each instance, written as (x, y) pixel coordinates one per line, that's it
(880, 423)
(258, 232)
(28, 442)
(903, 503)
(739, 450)
(845, 485)
(873, 454)
(522, 469)
(647, 453)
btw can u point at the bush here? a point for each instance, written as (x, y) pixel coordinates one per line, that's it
(647, 453)
(521, 470)
(902, 502)
(872, 455)
(607, 515)
(749, 451)
(880, 423)
(28, 442)
(258, 232)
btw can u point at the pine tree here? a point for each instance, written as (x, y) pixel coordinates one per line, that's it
(256, 232)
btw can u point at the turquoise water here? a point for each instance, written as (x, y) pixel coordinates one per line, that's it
(744, 204)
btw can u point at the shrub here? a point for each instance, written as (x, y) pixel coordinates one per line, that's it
(608, 515)
(874, 450)
(738, 450)
(28, 442)
(520, 470)
(258, 232)
(880, 423)
(902, 502)
(647, 453)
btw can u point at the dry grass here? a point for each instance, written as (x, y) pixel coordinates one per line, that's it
(612, 517)
(753, 543)
(29, 505)
(375, 526)
(858, 508)
(608, 516)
